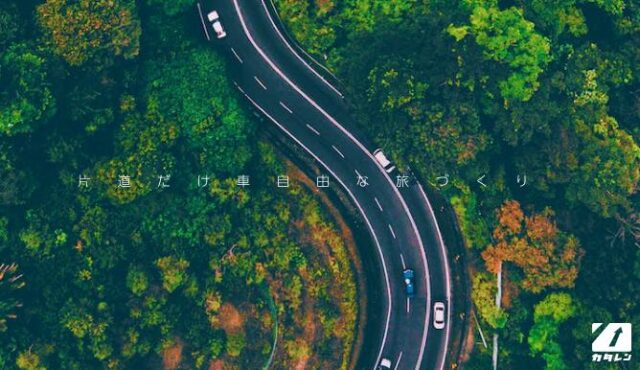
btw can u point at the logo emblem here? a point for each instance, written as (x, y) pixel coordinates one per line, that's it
(612, 342)
(615, 337)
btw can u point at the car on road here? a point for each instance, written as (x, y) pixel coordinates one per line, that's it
(409, 287)
(217, 26)
(438, 315)
(385, 364)
(382, 159)
(213, 16)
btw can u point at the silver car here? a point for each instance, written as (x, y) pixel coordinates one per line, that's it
(217, 26)
(385, 364)
(438, 315)
(382, 159)
(213, 16)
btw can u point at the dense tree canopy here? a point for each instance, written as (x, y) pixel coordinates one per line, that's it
(508, 38)
(92, 30)
(26, 98)
(122, 273)
(508, 90)
(212, 124)
(198, 275)
(549, 314)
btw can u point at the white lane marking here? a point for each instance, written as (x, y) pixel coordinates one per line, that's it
(357, 173)
(378, 203)
(313, 129)
(338, 151)
(408, 305)
(423, 255)
(259, 82)
(398, 363)
(239, 88)
(237, 56)
(446, 269)
(360, 209)
(285, 107)
(391, 229)
(206, 32)
(296, 54)
(404, 266)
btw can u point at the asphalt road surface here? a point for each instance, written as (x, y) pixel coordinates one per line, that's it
(281, 83)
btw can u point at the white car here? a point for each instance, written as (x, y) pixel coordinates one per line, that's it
(213, 16)
(383, 161)
(385, 363)
(438, 315)
(217, 26)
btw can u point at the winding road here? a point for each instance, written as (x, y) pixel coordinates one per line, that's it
(286, 87)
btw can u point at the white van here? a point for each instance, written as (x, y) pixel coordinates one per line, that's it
(383, 160)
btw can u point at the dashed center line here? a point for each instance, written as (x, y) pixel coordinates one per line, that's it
(391, 229)
(239, 88)
(408, 305)
(361, 146)
(398, 363)
(285, 107)
(404, 266)
(313, 129)
(337, 151)
(236, 55)
(378, 203)
(259, 82)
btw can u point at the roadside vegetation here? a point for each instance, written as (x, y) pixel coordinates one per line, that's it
(196, 275)
(550, 90)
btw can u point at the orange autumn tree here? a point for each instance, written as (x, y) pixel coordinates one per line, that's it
(547, 256)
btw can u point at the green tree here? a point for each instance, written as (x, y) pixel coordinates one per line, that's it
(508, 38)
(211, 120)
(137, 281)
(143, 143)
(308, 22)
(90, 329)
(25, 99)
(605, 168)
(483, 294)
(173, 272)
(549, 313)
(558, 17)
(235, 344)
(29, 360)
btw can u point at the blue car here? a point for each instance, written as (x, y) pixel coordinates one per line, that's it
(408, 282)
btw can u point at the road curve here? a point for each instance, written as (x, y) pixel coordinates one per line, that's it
(279, 82)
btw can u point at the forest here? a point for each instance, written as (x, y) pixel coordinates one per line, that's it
(509, 89)
(125, 241)
(97, 275)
